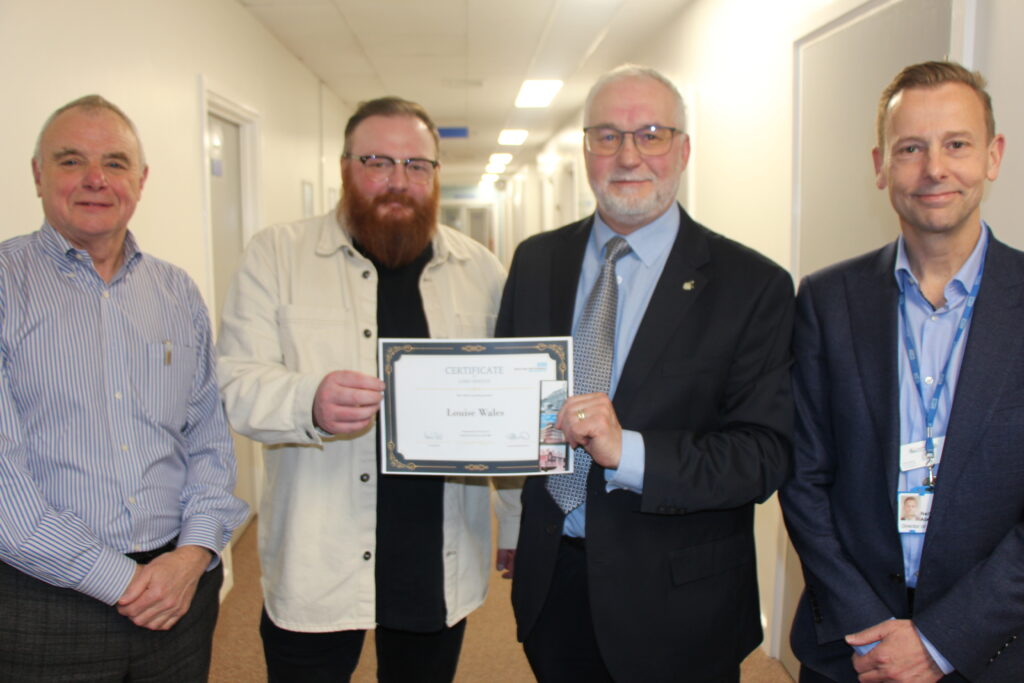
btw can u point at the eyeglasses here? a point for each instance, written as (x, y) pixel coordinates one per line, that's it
(652, 141)
(381, 167)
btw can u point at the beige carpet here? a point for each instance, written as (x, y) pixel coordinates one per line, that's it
(489, 653)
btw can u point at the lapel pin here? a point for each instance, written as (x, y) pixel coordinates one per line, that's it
(688, 285)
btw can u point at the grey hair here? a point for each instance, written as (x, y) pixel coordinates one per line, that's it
(625, 71)
(89, 103)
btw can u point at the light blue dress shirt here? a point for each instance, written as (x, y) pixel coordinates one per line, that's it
(112, 433)
(638, 274)
(933, 330)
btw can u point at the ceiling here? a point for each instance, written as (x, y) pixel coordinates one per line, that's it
(464, 60)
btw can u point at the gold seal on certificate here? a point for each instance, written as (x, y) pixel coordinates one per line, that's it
(474, 406)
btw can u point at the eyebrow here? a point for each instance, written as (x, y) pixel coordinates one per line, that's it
(71, 151)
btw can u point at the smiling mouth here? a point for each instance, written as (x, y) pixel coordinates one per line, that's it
(936, 197)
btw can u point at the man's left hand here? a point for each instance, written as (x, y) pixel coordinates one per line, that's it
(506, 560)
(899, 656)
(161, 592)
(589, 421)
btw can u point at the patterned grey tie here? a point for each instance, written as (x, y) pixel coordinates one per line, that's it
(593, 351)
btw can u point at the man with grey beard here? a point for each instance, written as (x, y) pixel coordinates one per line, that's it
(344, 549)
(640, 566)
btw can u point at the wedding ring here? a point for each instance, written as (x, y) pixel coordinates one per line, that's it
(580, 415)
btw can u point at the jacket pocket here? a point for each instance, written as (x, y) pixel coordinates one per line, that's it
(710, 559)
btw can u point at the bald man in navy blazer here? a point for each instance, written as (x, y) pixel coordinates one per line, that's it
(890, 598)
(654, 577)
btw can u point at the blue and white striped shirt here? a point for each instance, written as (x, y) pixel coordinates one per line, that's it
(112, 434)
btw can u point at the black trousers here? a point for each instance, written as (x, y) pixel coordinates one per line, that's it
(562, 646)
(402, 656)
(55, 635)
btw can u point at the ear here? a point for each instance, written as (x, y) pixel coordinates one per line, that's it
(142, 180)
(685, 151)
(878, 158)
(995, 156)
(36, 176)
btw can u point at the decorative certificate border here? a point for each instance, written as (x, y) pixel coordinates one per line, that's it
(554, 353)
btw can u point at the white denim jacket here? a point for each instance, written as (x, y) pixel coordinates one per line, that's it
(303, 304)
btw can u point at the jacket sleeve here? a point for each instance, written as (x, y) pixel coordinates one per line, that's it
(745, 457)
(841, 598)
(265, 400)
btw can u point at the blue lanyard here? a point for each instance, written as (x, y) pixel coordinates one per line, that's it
(931, 408)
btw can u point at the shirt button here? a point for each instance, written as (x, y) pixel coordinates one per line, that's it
(137, 548)
(933, 318)
(366, 275)
(367, 555)
(124, 447)
(106, 294)
(367, 333)
(131, 499)
(117, 395)
(929, 380)
(364, 477)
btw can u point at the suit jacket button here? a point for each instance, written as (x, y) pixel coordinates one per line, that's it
(553, 529)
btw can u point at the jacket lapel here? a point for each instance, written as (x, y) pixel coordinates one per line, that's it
(995, 336)
(681, 283)
(872, 295)
(566, 264)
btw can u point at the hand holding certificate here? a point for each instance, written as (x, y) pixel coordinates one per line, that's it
(474, 406)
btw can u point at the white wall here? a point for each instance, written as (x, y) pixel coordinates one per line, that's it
(147, 57)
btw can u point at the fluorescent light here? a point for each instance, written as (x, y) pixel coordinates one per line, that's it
(495, 168)
(488, 179)
(512, 136)
(537, 94)
(500, 158)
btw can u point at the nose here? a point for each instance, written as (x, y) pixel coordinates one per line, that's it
(399, 178)
(95, 178)
(935, 164)
(629, 155)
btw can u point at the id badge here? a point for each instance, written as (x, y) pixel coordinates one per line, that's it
(913, 508)
(912, 455)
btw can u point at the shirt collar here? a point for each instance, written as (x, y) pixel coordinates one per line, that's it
(60, 248)
(964, 277)
(648, 242)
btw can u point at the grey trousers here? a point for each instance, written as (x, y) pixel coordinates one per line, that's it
(57, 635)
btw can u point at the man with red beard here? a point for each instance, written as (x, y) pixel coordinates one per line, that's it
(343, 549)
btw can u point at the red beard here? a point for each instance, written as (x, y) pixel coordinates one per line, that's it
(392, 240)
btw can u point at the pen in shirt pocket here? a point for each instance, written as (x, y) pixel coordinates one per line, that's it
(167, 351)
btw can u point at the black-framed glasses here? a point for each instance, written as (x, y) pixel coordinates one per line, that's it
(605, 141)
(381, 167)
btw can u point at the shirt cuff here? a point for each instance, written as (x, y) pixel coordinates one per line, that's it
(630, 473)
(864, 649)
(109, 578)
(940, 661)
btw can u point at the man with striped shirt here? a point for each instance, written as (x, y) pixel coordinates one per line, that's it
(116, 464)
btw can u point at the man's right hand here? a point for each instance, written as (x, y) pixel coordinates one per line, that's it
(346, 401)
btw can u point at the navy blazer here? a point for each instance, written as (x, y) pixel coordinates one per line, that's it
(840, 504)
(672, 575)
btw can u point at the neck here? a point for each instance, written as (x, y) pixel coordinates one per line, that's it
(936, 257)
(107, 255)
(628, 227)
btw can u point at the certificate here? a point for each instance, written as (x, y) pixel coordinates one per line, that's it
(474, 406)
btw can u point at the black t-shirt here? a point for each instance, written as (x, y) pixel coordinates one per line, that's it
(410, 508)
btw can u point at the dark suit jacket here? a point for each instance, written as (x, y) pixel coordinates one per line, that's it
(671, 572)
(840, 504)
